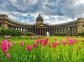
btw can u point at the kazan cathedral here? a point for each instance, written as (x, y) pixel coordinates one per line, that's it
(39, 28)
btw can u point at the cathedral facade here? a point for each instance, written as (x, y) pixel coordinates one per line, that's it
(39, 28)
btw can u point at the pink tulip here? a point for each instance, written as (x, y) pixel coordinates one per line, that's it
(71, 41)
(67, 37)
(22, 43)
(5, 46)
(10, 44)
(14, 43)
(8, 55)
(64, 42)
(58, 42)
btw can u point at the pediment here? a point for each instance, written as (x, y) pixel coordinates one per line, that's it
(41, 25)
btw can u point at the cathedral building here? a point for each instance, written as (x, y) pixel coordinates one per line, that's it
(39, 28)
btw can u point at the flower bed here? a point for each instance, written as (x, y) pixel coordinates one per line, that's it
(66, 49)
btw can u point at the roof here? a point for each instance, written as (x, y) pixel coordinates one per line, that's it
(4, 16)
(39, 18)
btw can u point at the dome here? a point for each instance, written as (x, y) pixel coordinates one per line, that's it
(39, 18)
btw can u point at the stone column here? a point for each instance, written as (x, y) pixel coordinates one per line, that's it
(53, 31)
(56, 30)
(65, 31)
(36, 31)
(71, 30)
(12, 27)
(29, 30)
(80, 28)
(39, 31)
(20, 29)
(68, 31)
(75, 30)
(42, 31)
(4, 25)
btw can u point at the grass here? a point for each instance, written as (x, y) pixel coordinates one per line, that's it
(62, 53)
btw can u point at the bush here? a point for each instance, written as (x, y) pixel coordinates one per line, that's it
(60, 34)
(30, 34)
(10, 32)
(81, 34)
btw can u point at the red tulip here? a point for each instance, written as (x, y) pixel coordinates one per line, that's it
(5, 48)
(45, 42)
(35, 45)
(31, 37)
(29, 47)
(82, 40)
(55, 44)
(49, 44)
(58, 42)
(79, 47)
(55, 38)
(38, 41)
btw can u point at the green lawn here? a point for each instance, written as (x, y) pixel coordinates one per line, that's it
(61, 53)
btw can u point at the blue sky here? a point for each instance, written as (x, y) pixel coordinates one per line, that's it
(53, 11)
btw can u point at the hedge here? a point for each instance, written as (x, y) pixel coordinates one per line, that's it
(60, 34)
(81, 34)
(10, 32)
(30, 34)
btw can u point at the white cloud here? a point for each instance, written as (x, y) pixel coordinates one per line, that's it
(79, 2)
(14, 1)
(56, 19)
(53, 11)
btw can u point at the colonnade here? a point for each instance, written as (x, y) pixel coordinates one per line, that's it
(37, 31)
(40, 31)
(65, 30)
(52, 31)
(23, 29)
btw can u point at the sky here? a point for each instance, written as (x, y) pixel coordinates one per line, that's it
(53, 11)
